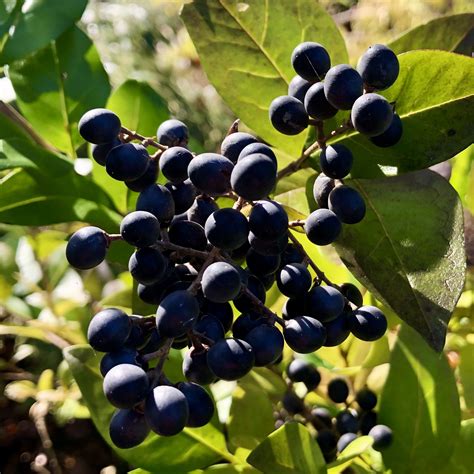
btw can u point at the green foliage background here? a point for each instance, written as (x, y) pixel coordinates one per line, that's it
(146, 62)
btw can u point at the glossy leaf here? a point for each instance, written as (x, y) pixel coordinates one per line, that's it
(448, 33)
(192, 449)
(466, 374)
(426, 419)
(139, 107)
(251, 416)
(30, 198)
(36, 23)
(359, 446)
(245, 48)
(289, 449)
(409, 249)
(58, 84)
(434, 96)
(22, 153)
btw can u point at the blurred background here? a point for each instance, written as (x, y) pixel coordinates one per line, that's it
(50, 304)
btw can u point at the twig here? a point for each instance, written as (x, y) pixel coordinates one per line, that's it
(38, 412)
(233, 128)
(319, 273)
(296, 165)
(14, 116)
(261, 307)
(146, 141)
(212, 255)
(239, 204)
(165, 350)
(182, 250)
(296, 223)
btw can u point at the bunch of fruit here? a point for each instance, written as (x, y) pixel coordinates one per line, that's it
(192, 258)
(335, 428)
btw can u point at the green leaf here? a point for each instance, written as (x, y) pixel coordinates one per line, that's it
(251, 416)
(36, 23)
(30, 198)
(139, 107)
(434, 97)
(462, 177)
(192, 449)
(289, 449)
(22, 153)
(354, 449)
(466, 374)
(420, 403)
(58, 84)
(409, 248)
(449, 33)
(245, 48)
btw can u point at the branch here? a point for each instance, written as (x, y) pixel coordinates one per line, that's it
(320, 143)
(212, 255)
(319, 273)
(131, 135)
(14, 116)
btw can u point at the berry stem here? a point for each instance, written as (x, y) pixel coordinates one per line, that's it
(233, 128)
(165, 350)
(319, 273)
(211, 257)
(296, 223)
(239, 204)
(131, 135)
(182, 250)
(296, 165)
(261, 307)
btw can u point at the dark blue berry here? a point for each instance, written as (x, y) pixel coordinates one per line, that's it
(371, 114)
(176, 313)
(347, 204)
(183, 195)
(300, 370)
(292, 403)
(347, 422)
(230, 359)
(188, 234)
(268, 247)
(325, 303)
(174, 163)
(99, 126)
(255, 286)
(166, 410)
(261, 265)
(245, 323)
(342, 86)
(327, 441)
(294, 280)
(352, 293)
(157, 200)
(345, 440)
(259, 148)
(210, 173)
(311, 61)
(268, 220)
(366, 399)
(288, 115)
(383, 437)
(322, 227)
(378, 67)
(267, 344)
(127, 161)
(304, 334)
(210, 327)
(322, 186)
(201, 209)
(227, 229)
(337, 330)
(391, 136)
(128, 428)
(234, 143)
(338, 390)
(147, 265)
(148, 178)
(87, 248)
(195, 367)
(222, 311)
(201, 405)
(221, 282)
(316, 104)
(368, 323)
(298, 88)
(173, 133)
(254, 177)
(125, 385)
(367, 421)
(140, 229)
(100, 152)
(108, 330)
(121, 356)
(336, 161)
